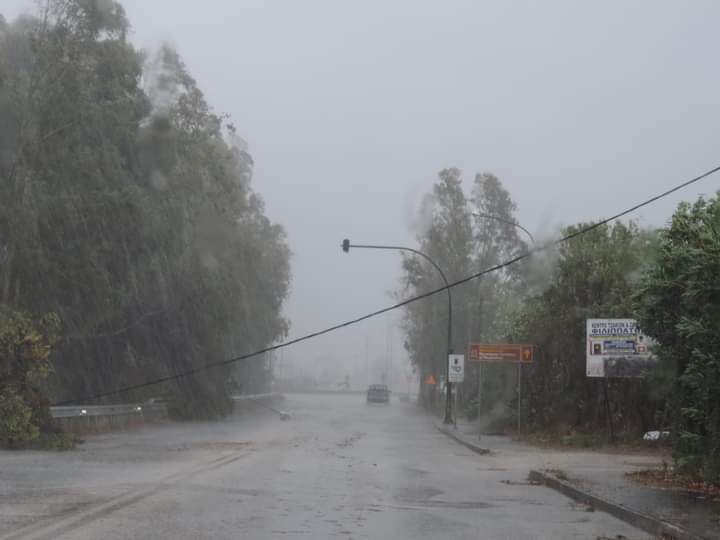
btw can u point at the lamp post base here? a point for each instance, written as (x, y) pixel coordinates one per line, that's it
(448, 403)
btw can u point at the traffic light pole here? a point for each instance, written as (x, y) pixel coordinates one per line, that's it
(346, 245)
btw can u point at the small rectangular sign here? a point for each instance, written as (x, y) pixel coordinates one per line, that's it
(456, 368)
(500, 352)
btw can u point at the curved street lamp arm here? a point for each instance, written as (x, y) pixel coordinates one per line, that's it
(503, 220)
(415, 251)
(346, 245)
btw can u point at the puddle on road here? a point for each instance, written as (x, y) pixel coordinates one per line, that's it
(417, 493)
(215, 446)
(445, 505)
(519, 500)
(457, 505)
(196, 487)
(415, 470)
(423, 497)
(351, 440)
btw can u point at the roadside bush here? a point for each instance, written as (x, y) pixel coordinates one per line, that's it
(582, 440)
(55, 441)
(25, 345)
(16, 425)
(470, 408)
(502, 425)
(679, 306)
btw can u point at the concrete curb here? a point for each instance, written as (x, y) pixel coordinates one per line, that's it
(649, 524)
(467, 444)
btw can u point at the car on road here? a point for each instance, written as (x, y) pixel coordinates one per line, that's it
(378, 393)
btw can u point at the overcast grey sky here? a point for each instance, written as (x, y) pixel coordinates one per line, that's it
(350, 109)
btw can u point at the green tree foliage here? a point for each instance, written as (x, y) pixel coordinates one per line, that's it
(25, 346)
(460, 243)
(496, 240)
(129, 213)
(679, 305)
(595, 276)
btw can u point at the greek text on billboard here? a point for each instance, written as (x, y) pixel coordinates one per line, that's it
(617, 348)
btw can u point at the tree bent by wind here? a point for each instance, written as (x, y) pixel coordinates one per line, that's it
(128, 212)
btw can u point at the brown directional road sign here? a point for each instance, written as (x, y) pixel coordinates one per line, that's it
(500, 352)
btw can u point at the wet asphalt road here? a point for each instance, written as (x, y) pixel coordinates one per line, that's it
(337, 469)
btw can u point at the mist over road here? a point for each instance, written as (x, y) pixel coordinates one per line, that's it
(338, 469)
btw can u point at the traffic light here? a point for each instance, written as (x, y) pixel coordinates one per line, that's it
(346, 245)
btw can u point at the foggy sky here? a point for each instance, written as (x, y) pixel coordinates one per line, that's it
(351, 108)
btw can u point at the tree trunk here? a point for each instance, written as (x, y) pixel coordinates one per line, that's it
(7, 275)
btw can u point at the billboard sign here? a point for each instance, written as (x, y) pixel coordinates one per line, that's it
(500, 352)
(617, 348)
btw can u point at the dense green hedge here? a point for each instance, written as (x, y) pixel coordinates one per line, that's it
(679, 305)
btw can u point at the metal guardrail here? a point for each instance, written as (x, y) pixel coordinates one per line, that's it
(251, 397)
(131, 409)
(124, 409)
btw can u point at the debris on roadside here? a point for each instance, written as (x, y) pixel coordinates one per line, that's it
(583, 507)
(520, 483)
(558, 473)
(667, 477)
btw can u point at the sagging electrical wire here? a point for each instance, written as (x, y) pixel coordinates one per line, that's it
(398, 305)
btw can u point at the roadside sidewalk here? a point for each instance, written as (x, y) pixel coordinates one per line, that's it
(597, 477)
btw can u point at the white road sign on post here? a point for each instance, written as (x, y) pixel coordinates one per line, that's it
(456, 368)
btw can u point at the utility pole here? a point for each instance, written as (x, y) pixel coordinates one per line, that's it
(391, 360)
(367, 357)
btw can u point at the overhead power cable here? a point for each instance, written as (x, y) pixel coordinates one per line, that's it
(307, 337)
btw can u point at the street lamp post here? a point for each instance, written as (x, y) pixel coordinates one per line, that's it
(346, 245)
(519, 366)
(503, 220)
